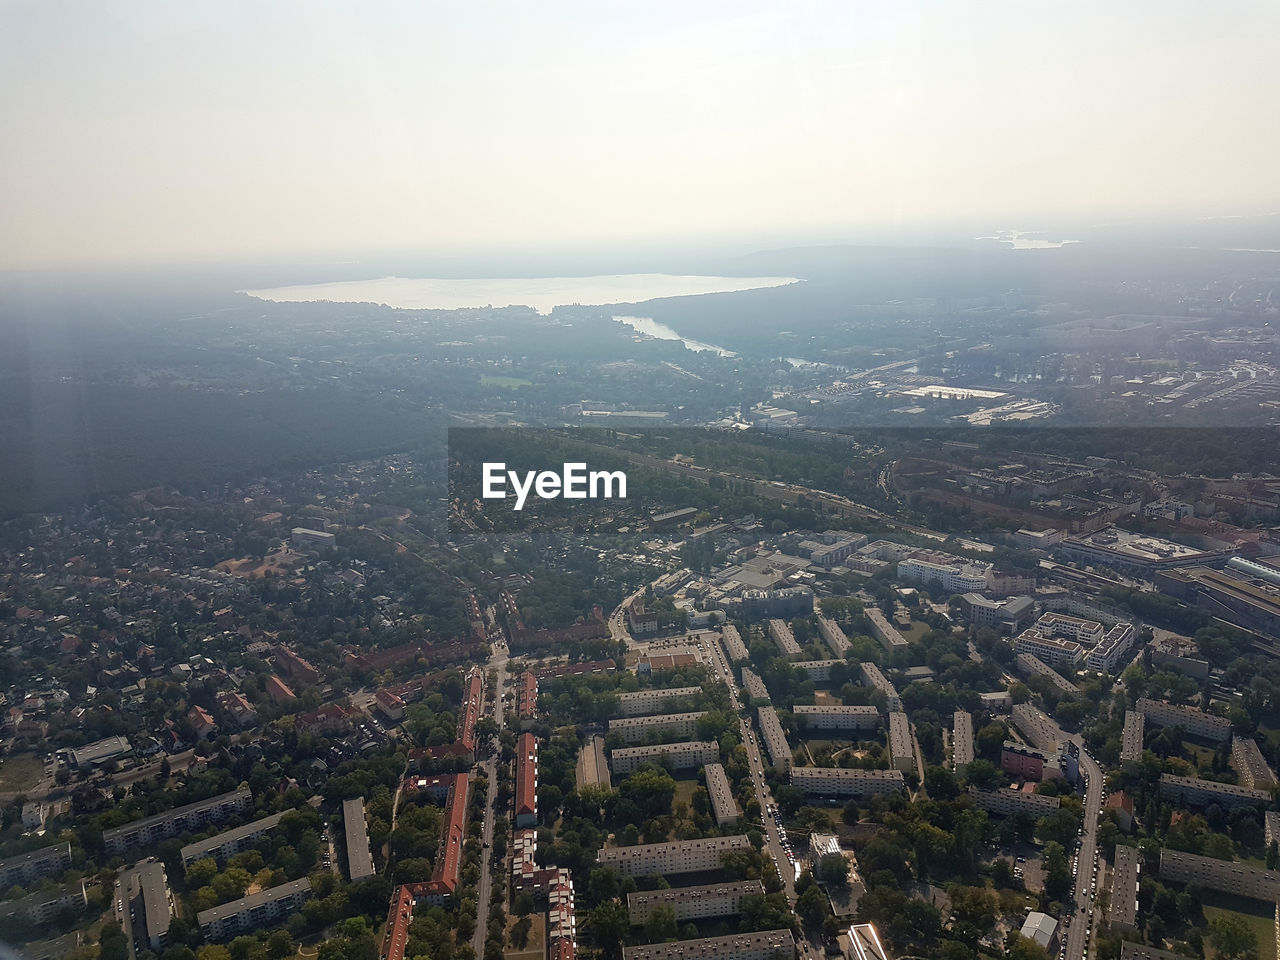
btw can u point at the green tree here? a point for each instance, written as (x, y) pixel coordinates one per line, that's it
(661, 925)
(811, 906)
(1232, 939)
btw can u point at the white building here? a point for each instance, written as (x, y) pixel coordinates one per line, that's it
(1194, 722)
(1006, 802)
(762, 945)
(680, 726)
(654, 700)
(847, 782)
(693, 903)
(829, 716)
(724, 807)
(833, 636)
(901, 752)
(677, 856)
(784, 638)
(775, 739)
(961, 740)
(683, 756)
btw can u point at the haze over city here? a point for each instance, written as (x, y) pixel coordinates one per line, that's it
(153, 131)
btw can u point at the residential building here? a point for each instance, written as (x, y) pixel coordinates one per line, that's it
(846, 782)
(677, 856)
(43, 905)
(952, 573)
(734, 649)
(1226, 876)
(527, 699)
(190, 817)
(1041, 928)
(819, 671)
(359, 858)
(1124, 889)
(1006, 616)
(833, 637)
(1023, 762)
(1271, 827)
(1253, 768)
(1037, 539)
(202, 723)
(306, 539)
(1114, 650)
(872, 677)
(239, 709)
(961, 740)
(1140, 951)
(1036, 727)
(1052, 650)
(593, 767)
(1057, 624)
(693, 903)
(150, 906)
(1029, 665)
(902, 755)
(279, 691)
(753, 685)
(782, 636)
(526, 798)
(24, 868)
(1131, 741)
(473, 700)
(724, 807)
(655, 700)
(254, 911)
(389, 704)
(775, 739)
(762, 945)
(1192, 791)
(864, 943)
(230, 842)
(1006, 802)
(1195, 723)
(831, 716)
(678, 726)
(883, 630)
(691, 754)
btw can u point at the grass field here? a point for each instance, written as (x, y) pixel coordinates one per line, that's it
(1260, 917)
(18, 771)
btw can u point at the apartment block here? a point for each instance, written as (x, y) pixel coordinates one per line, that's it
(1007, 802)
(1029, 665)
(957, 577)
(644, 702)
(842, 782)
(678, 726)
(22, 869)
(734, 649)
(872, 677)
(691, 754)
(883, 630)
(1131, 740)
(1140, 951)
(1271, 827)
(254, 911)
(961, 740)
(1007, 616)
(1194, 722)
(1192, 791)
(1253, 768)
(1054, 651)
(818, 671)
(723, 805)
(831, 716)
(359, 859)
(677, 856)
(1036, 727)
(526, 699)
(190, 817)
(43, 905)
(763, 945)
(1124, 889)
(775, 739)
(781, 635)
(1226, 876)
(230, 842)
(902, 754)
(526, 798)
(1114, 650)
(753, 685)
(693, 903)
(833, 636)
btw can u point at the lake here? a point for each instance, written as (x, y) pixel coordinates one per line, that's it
(660, 331)
(543, 294)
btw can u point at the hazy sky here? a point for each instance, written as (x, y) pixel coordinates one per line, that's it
(162, 130)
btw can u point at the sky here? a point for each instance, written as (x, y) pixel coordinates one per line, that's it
(144, 131)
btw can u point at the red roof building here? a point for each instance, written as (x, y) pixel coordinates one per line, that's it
(279, 691)
(526, 780)
(471, 704)
(390, 704)
(526, 698)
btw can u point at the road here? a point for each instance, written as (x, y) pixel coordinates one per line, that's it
(1078, 934)
(497, 663)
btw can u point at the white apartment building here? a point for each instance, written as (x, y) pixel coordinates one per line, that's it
(1006, 802)
(693, 903)
(956, 577)
(1131, 740)
(818, 671)
(842, 782)
(775, 739)
(1036, 727)
(901, 752)
(724, 807)
(1073, 628)
(883, 630)
(230, 842)
(1114, 649)
(21, 869)
(734, 648)
(677, 856)
(643, 702)
(676, 725)
(872, 677)
(833, 636)
(1254, 771)
(1029, 665)
(254, 911)
(830, 716)
(751, 682)
(193, 816)
(784, 638)
(1052, 650)
(1195, 722)
(691, 754)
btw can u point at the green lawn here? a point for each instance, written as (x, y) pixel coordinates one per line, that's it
(18, 771)
(1260, 917)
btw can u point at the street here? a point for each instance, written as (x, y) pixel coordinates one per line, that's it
(498, 663)
(1079, 933)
